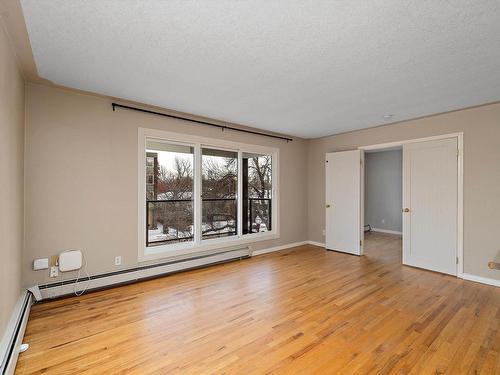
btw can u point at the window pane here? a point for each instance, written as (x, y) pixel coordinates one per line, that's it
(169, 193)
(219, 193)
(257, 193)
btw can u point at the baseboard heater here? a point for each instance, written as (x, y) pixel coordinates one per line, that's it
(14, 333)
(100, 281)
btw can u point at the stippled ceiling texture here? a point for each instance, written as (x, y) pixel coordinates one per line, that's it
(305, 68)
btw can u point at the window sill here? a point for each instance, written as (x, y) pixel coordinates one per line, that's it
(188, 248)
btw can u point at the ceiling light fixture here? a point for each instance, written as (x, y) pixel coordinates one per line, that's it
(387, 117)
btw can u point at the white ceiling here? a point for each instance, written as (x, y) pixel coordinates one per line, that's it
(305, 68)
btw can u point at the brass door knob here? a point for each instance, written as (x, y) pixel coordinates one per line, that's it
(327, 206)
(406, 210)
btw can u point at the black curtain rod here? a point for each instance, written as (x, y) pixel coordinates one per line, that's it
(223, 127)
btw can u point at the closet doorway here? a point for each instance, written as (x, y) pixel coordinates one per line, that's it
(383, 203)
(431, 208)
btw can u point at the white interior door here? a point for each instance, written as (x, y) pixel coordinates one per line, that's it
(343, 201)
(430, 205)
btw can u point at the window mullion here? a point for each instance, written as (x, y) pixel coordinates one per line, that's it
(240, 195)
(274, 192)
(197, 194)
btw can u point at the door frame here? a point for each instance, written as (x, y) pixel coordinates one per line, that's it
(460, 185)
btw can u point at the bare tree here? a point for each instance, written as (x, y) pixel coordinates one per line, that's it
(219, 190)
(175, 186)
(259, 186)
(259, 176)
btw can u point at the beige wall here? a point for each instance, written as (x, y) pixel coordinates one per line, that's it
(383, 189)
(11, 179)
(481, 128)
(81, 178)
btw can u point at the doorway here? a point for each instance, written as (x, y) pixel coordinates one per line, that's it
(431, 202)
(383, 200)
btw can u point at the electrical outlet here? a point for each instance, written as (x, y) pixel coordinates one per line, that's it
(54, 271)
(324, 232)
(118, 260)
(383, 221)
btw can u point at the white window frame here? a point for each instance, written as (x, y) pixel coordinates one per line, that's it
(198, 245)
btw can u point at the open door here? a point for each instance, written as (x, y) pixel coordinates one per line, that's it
(430, 205)
(344, 229)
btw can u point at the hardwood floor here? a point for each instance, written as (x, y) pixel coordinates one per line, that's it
(298, 311)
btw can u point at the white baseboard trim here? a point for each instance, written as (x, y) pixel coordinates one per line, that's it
(14, 334)
(314, 243)
(480, 279)
(465, 276)
(387, 231)
(278, 248)
(287, 246)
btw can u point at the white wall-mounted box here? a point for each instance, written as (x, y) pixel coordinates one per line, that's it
(70, 260)
(41, 264)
